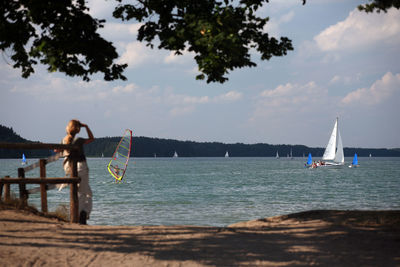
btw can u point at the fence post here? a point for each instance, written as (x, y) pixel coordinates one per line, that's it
(43, 191)
(22, 188)
(6, 191)
(74, 201)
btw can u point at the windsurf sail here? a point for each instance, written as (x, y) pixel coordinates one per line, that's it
(23, 159)
(309, 160)
(355, 160)
(119, 161)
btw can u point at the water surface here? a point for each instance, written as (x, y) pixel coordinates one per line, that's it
(221, 191)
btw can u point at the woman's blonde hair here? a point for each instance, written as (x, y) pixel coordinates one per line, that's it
(73, 127)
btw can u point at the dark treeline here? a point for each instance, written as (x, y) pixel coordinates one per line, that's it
(8, 135)
(150, 147)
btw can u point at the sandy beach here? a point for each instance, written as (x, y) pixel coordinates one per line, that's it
(322, 238)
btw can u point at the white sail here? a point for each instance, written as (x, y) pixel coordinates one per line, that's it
(226, 154)
(334, 150)
(330, 149)
(339, 157)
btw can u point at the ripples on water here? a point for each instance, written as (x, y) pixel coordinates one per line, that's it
(221, 191)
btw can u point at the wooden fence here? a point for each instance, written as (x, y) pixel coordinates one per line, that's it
(43, 181)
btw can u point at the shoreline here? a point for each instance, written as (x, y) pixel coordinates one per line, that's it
(317, 237)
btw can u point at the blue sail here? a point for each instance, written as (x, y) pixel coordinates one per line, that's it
(309, 161)
(23, 158)
(355, 159)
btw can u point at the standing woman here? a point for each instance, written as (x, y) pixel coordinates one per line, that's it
(84, 191)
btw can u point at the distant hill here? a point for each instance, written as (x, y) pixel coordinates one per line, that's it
(150, 147)
(8, 135)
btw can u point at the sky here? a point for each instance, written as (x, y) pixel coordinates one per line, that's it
(345, 64)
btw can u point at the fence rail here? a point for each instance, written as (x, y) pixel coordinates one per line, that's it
(48, 146)
(21, 181)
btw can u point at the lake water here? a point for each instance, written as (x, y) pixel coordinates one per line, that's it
(221, 191)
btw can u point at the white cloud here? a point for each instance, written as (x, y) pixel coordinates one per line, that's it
(273, 25)
(101, 9)
(181, 104)
(294, 92)
(136, 53)
(231, 96)
(345, 79)
(359, 30)
(277, 6)
(172, 58)
(51, 87)
(291, 100)
(179, 99)
(381, 90)
(124, 89)
(180, 111)
(118, 32)
(335, 79)
(286, 18)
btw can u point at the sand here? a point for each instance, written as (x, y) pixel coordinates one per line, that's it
(322, 238)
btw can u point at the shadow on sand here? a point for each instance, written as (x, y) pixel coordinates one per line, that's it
(327, 238)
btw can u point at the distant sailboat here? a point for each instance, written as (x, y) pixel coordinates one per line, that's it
(226, 154)
(175, 155)
(24, 162)
(334, 155)
(355, 161)
(309, 160)
(277, 155)
(102, 155)
(291, 154)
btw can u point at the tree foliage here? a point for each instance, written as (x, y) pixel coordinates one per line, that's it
(63, 36)
(221, 34)
(60, 34)
(379, 5)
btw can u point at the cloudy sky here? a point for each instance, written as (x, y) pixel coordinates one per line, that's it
(345, 64)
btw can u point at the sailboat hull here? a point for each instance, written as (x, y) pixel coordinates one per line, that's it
(332, 164)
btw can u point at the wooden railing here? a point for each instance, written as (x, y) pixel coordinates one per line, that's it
(43, 181)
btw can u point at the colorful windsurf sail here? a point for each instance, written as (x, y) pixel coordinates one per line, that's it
(119, 161)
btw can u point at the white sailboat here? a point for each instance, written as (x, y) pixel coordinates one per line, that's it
(277, 155)
(175, 155)
(226, 154)
(334, 155)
